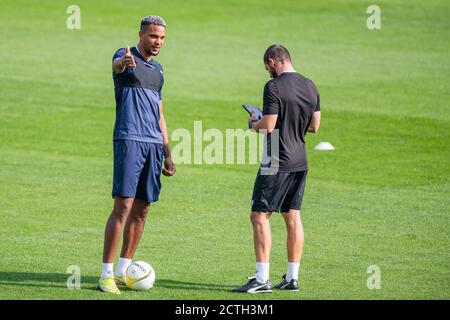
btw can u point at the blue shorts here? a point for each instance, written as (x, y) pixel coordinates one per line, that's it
(137, 170)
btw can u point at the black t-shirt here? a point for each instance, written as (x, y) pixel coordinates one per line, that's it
(294, 99)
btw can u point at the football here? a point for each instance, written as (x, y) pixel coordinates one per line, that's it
(140, 276)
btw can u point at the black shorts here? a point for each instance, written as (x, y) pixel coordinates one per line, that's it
(278, 192)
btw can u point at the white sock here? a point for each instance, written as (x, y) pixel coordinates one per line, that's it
(122, 265)
(107, 270)
(262, 271)
(292, 272)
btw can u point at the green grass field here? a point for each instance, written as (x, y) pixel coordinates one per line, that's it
(381, 198)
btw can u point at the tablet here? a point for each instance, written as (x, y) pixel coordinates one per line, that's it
(252, 109)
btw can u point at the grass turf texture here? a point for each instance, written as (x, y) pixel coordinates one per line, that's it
(381, 198)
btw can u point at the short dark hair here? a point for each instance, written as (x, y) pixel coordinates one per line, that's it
(277, 52)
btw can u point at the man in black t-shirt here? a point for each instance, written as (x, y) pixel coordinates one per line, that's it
(291, 109)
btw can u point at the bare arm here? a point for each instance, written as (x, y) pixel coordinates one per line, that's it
(315, 122)
(169, 166)
(163, 125)
(268, 122)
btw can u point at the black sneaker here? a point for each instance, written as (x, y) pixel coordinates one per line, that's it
(290, 286)
(254, 286)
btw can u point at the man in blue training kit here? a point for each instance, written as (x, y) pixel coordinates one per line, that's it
(140, 142)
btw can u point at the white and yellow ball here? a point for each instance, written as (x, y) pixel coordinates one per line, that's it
(140, 276)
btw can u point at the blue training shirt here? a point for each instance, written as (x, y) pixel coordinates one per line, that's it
(138, 93)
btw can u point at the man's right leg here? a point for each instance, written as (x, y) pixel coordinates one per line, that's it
(295, 236)
(114, 227)
(113, 231)
(294, 244)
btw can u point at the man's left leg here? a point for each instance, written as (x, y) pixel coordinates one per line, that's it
(132, 234)
(262, 241)
(263, 200)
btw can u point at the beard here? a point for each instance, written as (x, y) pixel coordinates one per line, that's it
(273, 74)
(151, 51)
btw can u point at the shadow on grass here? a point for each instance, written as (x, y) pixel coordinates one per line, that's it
(183, 285)
(43, 280)
(59, 280)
